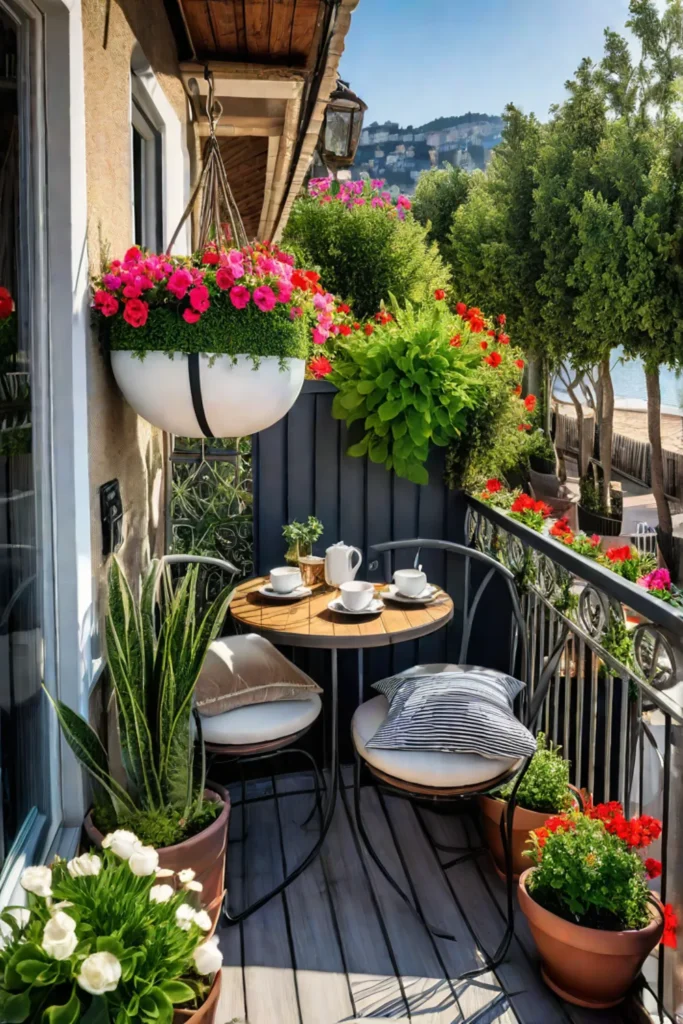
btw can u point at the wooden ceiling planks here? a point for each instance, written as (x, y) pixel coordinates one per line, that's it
(245, 159)
(262, 31)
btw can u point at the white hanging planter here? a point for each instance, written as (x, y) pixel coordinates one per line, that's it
(237, 398)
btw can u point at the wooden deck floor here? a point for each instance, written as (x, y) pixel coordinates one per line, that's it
(339, 944)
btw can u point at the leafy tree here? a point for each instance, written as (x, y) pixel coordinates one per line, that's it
(439, 193)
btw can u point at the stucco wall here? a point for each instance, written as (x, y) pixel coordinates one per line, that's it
(121, 444)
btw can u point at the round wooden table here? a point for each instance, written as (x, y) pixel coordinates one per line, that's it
(310, 623)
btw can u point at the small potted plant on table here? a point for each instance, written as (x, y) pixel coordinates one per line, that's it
(588, 904)
(153, 668)
(301, 537)
(544, 790)
(103, 941)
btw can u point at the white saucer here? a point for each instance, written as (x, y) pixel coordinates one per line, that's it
(294, 595)
(373, 608)
(426, 597)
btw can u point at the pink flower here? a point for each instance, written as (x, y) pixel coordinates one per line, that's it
(112, 282)
(658, 579)
(376, 201)
(224, 279)
(295, 312)
(135, 312)
(107, 304)
(322, 302)
(264, 297)
(319, 338)
(403, 202)
(240, 296)
(359, 201)
(284, 292)
(199, 298)
(132, 290)
(191, 316)
(132, 255)
(179, 282)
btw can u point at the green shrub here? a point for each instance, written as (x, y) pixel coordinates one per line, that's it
(365, 254)
(439, 193)
(545, 787)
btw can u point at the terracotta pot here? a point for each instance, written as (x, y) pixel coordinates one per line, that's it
(523, 823)
(587, 966)
(206, 1012)
(205, 853)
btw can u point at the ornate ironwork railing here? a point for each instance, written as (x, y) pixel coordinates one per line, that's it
(616, 704)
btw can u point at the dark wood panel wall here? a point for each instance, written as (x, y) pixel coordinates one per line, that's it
(280, 32)
(245, 158)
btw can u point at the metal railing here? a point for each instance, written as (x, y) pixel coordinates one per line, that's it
(616, 703)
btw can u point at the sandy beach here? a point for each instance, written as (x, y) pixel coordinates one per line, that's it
(633, 423)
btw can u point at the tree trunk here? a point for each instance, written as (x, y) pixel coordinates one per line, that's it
(654, 429)
(606, 412)
(578, 407)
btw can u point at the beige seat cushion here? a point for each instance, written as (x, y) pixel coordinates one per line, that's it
(260, 723)
(248, 669)
(424, 768)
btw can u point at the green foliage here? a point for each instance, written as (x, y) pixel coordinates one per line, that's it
(365, 254)
(439, 193)
(222, 329)
(411, 388)
(308, 532)
(538, 445)
(587, 875)
(629, 564)
(158, 828)
(153, 670)
(108, 910)
(618, 642)
(8, 340)
(545, 787)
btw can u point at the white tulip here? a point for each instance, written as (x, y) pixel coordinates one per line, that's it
(143, 861)
(165, 873)
(208, 958)
(59, 936)
(187, 875)
(37, 880)
(86, 865)
(161, 893)
(100, 973)
(203, 921)
(193, 886)
(121, 842)
(184, 916)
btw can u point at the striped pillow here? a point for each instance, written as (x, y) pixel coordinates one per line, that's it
(469, 711)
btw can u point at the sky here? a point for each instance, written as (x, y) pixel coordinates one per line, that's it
(414, 60)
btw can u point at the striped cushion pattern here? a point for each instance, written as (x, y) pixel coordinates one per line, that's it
(468, 711)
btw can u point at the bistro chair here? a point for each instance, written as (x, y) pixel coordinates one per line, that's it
(256, 732)
(445, 778)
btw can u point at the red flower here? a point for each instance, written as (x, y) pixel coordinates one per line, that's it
(320, 367)
(670, 926)
(311, 276)
(199, 298)
(107, 304)
(504, 339)
(7, 306)
(224, 279)
(561, 528)
(439, 294)
(369, 329)
(530, 403)
(299, 281)
(541, 834)
(494, 359)
(135, 312)
(477, 324)
(191, 316)
(595, 540)
(524, 426)
(519, 363)
(493, 485)
(525, 503)
(559, 821)
(356, 326)
(455, 341)
(132, 255)
(502, 319)
(211, 259)
(518, 389)
(619, 554)
(461, 308)
(484, 344)
(345, 330)
(343, 308)
(491, 334)
(653, 867)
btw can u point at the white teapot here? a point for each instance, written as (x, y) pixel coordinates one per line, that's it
(339, 564)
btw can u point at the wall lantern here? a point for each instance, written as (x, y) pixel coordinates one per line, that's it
(341, 128)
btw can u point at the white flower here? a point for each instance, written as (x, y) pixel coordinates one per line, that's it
(21, 915)
(161, 893)
(37, 880)
(59, 936)
(187, 875)
(165, 873)
(143, 861)
(121, 842)
(203, 921)
(208, 958)
(87, 864)
(100, 973)
(193, 886)
(184, 916)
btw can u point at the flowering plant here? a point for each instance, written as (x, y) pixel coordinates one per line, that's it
(588, 869)
(8, 325)
(103, 939)
(658, 584)
(249, 301)
(532, 513)
(495, 493)
(627, 562)
(371, 192)
(589, 547)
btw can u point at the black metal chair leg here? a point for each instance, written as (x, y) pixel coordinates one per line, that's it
(370, 849)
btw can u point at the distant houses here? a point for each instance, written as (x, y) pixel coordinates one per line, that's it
(400, 155)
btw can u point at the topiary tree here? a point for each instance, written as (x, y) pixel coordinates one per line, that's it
(364, 249)
(439, 193)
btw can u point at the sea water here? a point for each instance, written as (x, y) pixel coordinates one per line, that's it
(628, 377)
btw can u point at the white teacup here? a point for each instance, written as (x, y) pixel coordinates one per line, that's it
(410, 582)
(356, 595)
(285, 579)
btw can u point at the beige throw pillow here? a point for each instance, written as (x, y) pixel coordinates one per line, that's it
(241, 670)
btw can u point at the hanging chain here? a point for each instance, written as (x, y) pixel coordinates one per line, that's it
(219, 216)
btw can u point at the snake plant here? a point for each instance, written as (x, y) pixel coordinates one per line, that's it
(154, 663)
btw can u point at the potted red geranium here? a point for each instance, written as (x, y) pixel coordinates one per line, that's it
(588, 904)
